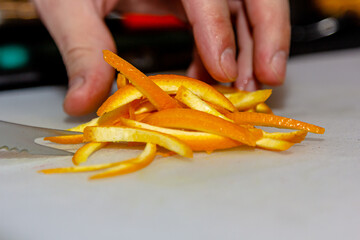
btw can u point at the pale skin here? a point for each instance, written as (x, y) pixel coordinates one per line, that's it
(255, 53)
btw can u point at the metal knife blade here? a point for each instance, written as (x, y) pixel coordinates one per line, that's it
(21, 137)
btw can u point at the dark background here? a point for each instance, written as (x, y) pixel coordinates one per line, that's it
(29, 57)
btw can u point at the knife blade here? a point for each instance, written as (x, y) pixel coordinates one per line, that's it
(21, 137)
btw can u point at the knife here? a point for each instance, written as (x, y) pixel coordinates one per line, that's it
(21, 137)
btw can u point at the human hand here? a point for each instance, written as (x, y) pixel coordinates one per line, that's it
(262, 39)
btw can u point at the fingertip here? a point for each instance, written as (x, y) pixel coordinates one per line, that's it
(228, 65)
(278, 65)
(86, 93)
(271, 28)
(271, 70)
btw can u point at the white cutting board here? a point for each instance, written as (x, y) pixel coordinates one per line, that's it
(308, 192)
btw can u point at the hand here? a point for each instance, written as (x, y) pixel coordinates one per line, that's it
(261, 37)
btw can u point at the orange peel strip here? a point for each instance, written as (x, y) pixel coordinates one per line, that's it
(263, 108)
(226, 89)
(201, 121)
(274, 144)
(145, 107)
(76, 169)
(148, 88)
(190, 99)
(66, 139)
(198, 141)
(121, 97)
(126, 134)
(81, 127)
(83, 153)
(295, 136)
(129, 166)
(247, 100)
(121, 81)
(171, 83)
(270, 120)
(111, 117)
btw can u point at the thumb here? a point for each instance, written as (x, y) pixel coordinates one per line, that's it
(81, 35)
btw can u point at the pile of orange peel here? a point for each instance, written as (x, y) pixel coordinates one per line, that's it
(179, 114)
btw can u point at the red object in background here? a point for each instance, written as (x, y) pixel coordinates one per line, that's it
(146, 21)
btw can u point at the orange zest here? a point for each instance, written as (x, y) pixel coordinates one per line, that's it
(122, 134)
(200, 121)
(115, 168)
(270, 120)
(197, 141)
(85, 151)
(171, 83)
(132, 165)
(148, 88)
(190, 99)
(179, 115)
(274, 144)
(247, 100)
(66, 139)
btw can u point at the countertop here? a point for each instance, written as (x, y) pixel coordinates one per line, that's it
(310, 191)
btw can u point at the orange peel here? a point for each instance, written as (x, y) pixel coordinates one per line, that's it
(246, 100)
(116, 168)
(132, 165)
(83, 153)
(200, 121)
(125, 134)
(147, 87)
(270, 120)
(197, 141)
(171, 83)
(190, 99)
(274, 144)
(66, 139)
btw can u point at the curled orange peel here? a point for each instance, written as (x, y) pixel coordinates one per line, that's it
(132, 165)
(85, 151)
(115, 168)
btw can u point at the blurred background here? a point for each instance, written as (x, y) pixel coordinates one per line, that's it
(29, 57)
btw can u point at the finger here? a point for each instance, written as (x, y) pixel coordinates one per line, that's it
(81, 35)
(245, 80)
(214, 37)
(271, 33)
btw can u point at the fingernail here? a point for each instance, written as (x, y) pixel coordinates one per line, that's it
(76, 83)
(228, 64)
(278, 64)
